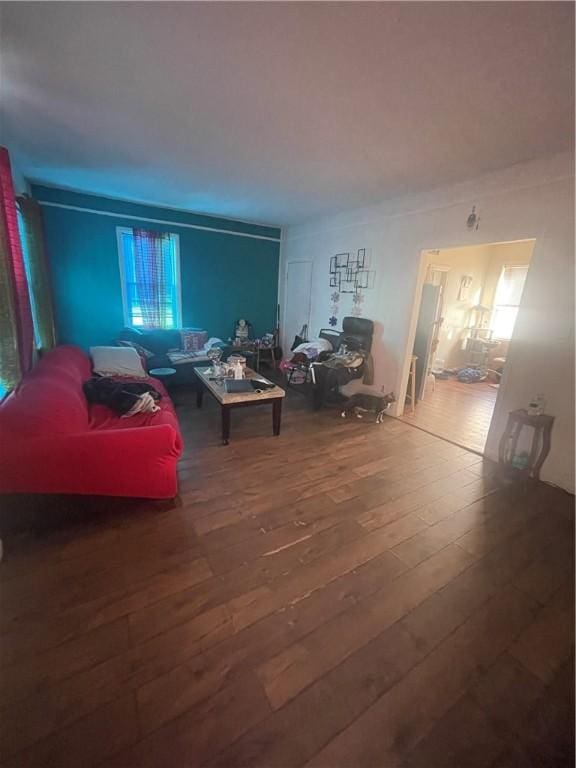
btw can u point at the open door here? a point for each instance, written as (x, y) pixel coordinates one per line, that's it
(425, 332)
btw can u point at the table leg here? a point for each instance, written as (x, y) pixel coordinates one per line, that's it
(199, 391)
(276, 415)
(225, 424)
(544, 451)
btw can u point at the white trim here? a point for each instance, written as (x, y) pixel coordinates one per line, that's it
(148, 204)
(156, 221)
(127, 319)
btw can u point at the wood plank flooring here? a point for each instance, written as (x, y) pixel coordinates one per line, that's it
(346, 594)
(457, 412)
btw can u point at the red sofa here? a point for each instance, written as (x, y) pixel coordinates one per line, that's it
(53, 441)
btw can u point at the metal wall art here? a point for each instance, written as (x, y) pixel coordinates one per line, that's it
(349, 274)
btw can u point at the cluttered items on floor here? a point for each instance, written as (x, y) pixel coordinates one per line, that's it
(361, 404)
(332, 360)
(467, 375)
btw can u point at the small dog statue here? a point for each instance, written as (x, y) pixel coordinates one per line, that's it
(360, 404)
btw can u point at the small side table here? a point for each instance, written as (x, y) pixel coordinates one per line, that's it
(540, 448)
(163, 374)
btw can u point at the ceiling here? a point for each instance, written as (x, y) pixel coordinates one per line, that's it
(278, 112)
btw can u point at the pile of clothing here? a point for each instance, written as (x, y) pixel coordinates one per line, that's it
(328, 369)
(348, 363)
(126, 398)
(470, 375)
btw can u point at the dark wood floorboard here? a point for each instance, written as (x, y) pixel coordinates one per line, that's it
(456, 411)
(346, 594)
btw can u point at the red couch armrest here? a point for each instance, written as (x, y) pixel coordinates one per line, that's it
(137, 461)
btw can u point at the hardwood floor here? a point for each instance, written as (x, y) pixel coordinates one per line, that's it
(343, 595)
(457, 412)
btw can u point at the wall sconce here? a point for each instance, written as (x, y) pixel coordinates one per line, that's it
(473, 220)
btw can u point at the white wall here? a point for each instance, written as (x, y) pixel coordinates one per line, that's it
(533, 200)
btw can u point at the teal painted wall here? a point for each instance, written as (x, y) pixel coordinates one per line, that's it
(223, 276)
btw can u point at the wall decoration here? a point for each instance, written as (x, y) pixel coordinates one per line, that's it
(464, 287)
(351, 275)
(357, 301)
(473, 220)
(334, 298)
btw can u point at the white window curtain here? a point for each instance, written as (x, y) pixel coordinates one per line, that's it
(507, 300)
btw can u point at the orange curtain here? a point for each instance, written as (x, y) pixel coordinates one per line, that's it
(37, 270)
(16, 327)
(10, 371)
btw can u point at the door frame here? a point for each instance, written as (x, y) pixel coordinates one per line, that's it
(286, 341)
(423, 360)
(420, 280)
(444, 269)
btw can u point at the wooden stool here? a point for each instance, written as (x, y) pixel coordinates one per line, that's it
(539, 450)
(411, 393)
(262, 353)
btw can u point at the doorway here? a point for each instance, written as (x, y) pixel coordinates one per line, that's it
(467, 310)
(299, 288)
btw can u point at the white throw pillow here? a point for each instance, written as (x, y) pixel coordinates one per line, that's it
(117, 361)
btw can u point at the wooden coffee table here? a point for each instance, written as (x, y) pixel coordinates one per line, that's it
(230, 400)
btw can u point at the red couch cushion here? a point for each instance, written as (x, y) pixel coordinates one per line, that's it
(52, 442)
(49, 400)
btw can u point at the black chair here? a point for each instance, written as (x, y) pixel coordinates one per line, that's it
(357, 334)
(359, 331)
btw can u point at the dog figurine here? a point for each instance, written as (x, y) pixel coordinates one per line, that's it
(359, 404)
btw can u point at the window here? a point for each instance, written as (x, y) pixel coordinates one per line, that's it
(150, 274)
(507, 300)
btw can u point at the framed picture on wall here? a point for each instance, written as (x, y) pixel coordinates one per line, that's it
(465, 287)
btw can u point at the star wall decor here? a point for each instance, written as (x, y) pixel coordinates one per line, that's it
(350, 275)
